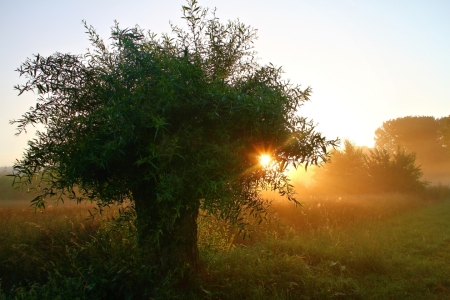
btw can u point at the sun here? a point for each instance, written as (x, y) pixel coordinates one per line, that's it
(265, 160)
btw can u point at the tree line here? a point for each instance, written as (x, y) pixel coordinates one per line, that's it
(409, 154)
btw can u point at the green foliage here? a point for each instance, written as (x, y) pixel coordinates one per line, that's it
(172, 123)
(184, 113)
(353, 171)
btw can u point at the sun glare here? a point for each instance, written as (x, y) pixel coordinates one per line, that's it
(265, 160)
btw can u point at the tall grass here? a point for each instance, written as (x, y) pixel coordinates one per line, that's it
(374, 247)
(396, 255)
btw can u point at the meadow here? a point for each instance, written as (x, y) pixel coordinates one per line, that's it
(366, 247)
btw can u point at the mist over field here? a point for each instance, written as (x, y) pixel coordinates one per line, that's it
(352, 247)
(410, 154)
(176, 163)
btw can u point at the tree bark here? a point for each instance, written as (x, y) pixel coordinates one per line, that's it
(168, 241)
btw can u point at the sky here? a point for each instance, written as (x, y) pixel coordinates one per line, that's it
(366, 61)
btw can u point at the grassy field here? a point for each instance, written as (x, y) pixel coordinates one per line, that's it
(379, 247)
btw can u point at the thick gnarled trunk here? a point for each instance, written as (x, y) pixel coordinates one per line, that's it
(169, 242)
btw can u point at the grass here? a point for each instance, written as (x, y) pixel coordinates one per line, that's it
(399, 256)
(374, 247)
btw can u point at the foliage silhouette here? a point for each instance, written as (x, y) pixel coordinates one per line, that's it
(173, 124)
(426, 136)
(355, 170)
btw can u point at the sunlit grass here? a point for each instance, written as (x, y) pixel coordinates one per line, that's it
(373, 247)
(398, 257)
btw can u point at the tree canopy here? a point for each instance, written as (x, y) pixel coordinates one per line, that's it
(425, 136)
(173, 123)
(356, 170)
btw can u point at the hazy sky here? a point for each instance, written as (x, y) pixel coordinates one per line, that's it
(367, 61)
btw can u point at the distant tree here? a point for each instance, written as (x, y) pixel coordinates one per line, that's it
(410, 133)
(419, 134)
(355, 171)
(345, 173)
(395, 172)
(174, 124)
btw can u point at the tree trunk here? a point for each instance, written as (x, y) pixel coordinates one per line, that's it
(169, 240)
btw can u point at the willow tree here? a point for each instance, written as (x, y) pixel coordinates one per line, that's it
(173, 123)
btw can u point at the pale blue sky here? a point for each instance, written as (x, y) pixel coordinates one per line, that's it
(367, 61)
